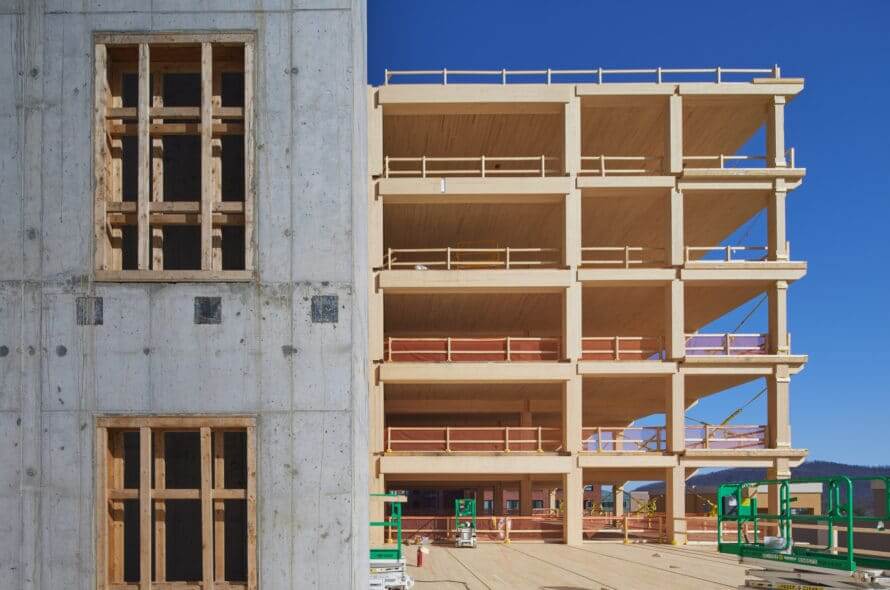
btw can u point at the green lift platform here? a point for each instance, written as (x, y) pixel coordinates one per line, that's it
(843, 561)
(388, 565)
(465, 522)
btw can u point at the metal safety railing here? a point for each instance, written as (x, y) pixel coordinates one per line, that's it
(658, 75)
(473, 439)
(468, 258)
(470, 166)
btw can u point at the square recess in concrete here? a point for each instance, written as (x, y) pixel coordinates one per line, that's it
(325, 309)
(89, 311)
(208, 310)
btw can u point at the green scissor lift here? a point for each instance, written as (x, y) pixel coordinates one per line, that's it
(388, 566)
(465, 522)
(790, 565)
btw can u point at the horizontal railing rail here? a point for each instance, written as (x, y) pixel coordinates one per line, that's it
(506, 528)
(620, 165)
(473, 439)
(726, 344)
(609, 439)
(597, 75)
(617, 348)
(728, 253)
(726, 436)
(627, 528)
(725, 161)
(625, 256)
(447, 349)
(469, 258)
(472, 166)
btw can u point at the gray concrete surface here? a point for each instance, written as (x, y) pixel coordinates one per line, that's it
(305, 382)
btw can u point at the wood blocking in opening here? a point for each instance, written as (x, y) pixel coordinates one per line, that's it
(176, 501)
(173, 160)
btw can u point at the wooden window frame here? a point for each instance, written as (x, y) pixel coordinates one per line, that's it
(110, 493)
(150, 211)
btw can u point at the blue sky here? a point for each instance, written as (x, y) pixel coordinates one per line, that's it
(839, 220)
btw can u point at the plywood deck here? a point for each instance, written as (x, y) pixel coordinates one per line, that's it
(593, 566)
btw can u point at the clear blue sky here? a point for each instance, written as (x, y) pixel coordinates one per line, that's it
(839, 220)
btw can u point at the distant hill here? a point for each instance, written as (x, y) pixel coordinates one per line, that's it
(861, 492)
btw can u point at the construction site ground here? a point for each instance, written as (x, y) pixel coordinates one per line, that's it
(593, 566)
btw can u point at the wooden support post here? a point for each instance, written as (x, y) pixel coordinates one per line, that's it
(116, 526)
(251, 509)
(144, 152)
(206, 511)
(216, 171)
(572, 411)
(673, 152)
(674, 234)
(675, 504)
(618, 498)
(775, 133)
(116, 234)
(145, 508)
(777, 241)
(101, 159)
(102, 508)
(779, 470)
(573, 509)
(157, 173)
(777, 296)
(206, 157)
(778, 408)
(249, 142)
(675, 413)
(219, 507)
(525, 496)
(675, 339)
(572, 136)
(160, 468)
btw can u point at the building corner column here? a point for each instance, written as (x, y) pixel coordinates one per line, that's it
(675, 413)
(778, 408)
(673, 150)
(675, 320)
(675, 504)
(573, 507)
(775, 132)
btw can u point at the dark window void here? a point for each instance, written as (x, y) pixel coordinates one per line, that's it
(182, 247)
(131, 539)
(232, 91)
(129, 168)
(129, 241)
(131, 459)
(182, 167)
(130, 90)
(232, 168)
(183, 540)
(182, 90)
(233, 247)
(182, 452)
(236, 537)
(235, 450)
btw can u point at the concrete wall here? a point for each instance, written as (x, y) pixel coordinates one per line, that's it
(305, 382)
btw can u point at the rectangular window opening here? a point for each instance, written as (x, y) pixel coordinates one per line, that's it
(174, 120)
(200, 468)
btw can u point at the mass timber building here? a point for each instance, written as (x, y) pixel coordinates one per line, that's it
(547, 251)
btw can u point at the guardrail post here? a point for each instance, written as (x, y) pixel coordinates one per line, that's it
(508, 349)
(624, 525)
(616, 345)
(423, 166)
(389, 439)
(727, 347)
(448, 348)
(506, 439)
(599, 439)
(719, 74)
(602, 165)
(791, 157)
(543, 166)
(504, 76)
(729, 254)
(386, 166)
(722, 161)
(507, 258)
(389, 352)
(707, 441)
(658, 75)
(540, 441)
(599, 75)
(777, 72)
(448, 258)
(389, 258)
(483, 167)
(548, 75)
(626, 256)
(385, 76)
(445, 76)
(447, 439)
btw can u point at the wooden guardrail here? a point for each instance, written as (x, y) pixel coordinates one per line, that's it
(621, 256)
(725, 161)
(619, 165)
(473, 439)
(598, 75)
(617, 348)
(610, 439)
(448, 349)
(468, 258)
(472, 166)
(726, 344)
